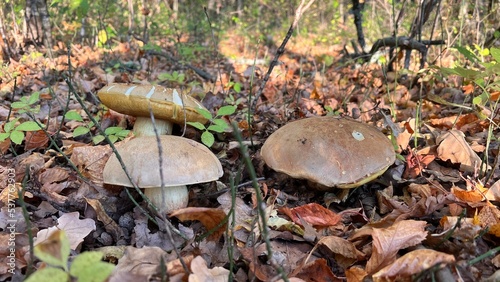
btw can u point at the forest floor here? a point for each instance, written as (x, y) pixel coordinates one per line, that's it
(430, 215)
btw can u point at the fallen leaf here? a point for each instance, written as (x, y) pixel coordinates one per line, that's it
(412, 263)
(312, 213)
(91, 160)
(344, 252)
(388, 241)
(453, 146)
(209, 217)
(493, 194)
(319, 269)
(202, 273)
(355, 274)
(35, 140)
(473, 196)
(109, 224)
(75, 228)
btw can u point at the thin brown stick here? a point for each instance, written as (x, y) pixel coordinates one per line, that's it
(298, 14)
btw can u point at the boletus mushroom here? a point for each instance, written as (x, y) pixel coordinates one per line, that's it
(169, 106)
(184, 162)
(331, 151)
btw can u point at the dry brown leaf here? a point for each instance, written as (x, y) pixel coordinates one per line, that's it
(453, 146)
(202, 273)
(35, 140)
(412, 263)
(464, 231)
(91, 160)
(388, 241)
(489, 216)
(109, 224)
(355, 274)
(313, 213)
(209, 217)
(344, 251)
(76, 229)
(318, 269)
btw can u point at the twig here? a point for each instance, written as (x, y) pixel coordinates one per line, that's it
(298, 14)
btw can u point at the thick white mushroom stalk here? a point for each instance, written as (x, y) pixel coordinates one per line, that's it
(144, 127)
(168, 199)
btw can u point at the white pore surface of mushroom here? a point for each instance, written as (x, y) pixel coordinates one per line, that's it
(331, 151)
(184, 162)
(168, 105)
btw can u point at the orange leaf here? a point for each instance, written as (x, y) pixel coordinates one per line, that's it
(468, 89)
(313, 214)
(473, 196)
(210, 218)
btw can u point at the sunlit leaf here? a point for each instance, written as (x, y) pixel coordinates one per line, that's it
(113, 138)
(495, 53)
(226, 110)
(97, 139)
(206, 114)
(4, 136)
(197, 125)
(49, 274)
(54, 250)
(73, 115)
(209, 217)
(88, 266)
(34, 98)
(216, 128)
(113, 130)
(81, 130)
(17, 137)
(207, 138)
(9, 126)
(28, 126)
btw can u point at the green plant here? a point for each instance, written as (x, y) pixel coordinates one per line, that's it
(86, 267)
(172, 77)
(16, 133)
(25, 104)
(217, 124)
(114, 133)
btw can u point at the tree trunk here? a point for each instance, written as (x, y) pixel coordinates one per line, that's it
(37, 28)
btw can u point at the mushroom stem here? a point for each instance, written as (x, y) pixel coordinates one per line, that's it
(168, 199)
(144, 127)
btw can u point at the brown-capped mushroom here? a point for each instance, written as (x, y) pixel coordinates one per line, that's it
(331, 151)
(169, 106)
(184, 162)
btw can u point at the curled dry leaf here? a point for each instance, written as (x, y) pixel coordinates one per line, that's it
(412, 263)
(471, 197)
(91, 160)
(202, 273)
(312, 213)
(489, 216)
(35, 140)
(109, 224)
(493, 194)
(210, 218)
(318, 269)
(452, 146)
(344, 251)
(388, 241)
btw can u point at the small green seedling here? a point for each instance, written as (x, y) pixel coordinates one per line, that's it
(217, 124)
(175, 77)
(114, 133)
(25, 105)
(16, 133)
(86, 267)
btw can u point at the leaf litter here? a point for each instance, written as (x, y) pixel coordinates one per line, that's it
(438, 212)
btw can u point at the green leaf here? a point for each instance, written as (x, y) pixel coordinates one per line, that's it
(216, 128)
(17, 137)
(206, 114)
(55, 250)
(237, 87)
(113, 138)
(88, 267)
(4, 136)
(48, 274)
(197, 125)
(495, 53)
(97, 139)
(9, 126)
(73, 115)
(220, 122)
(113, 130)
(481, 99)
(207, 138)
(18, 105)
(123, 133)
(28, 126)
(226, 110)
(34, 98)
(468, 54)
(81, 130)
